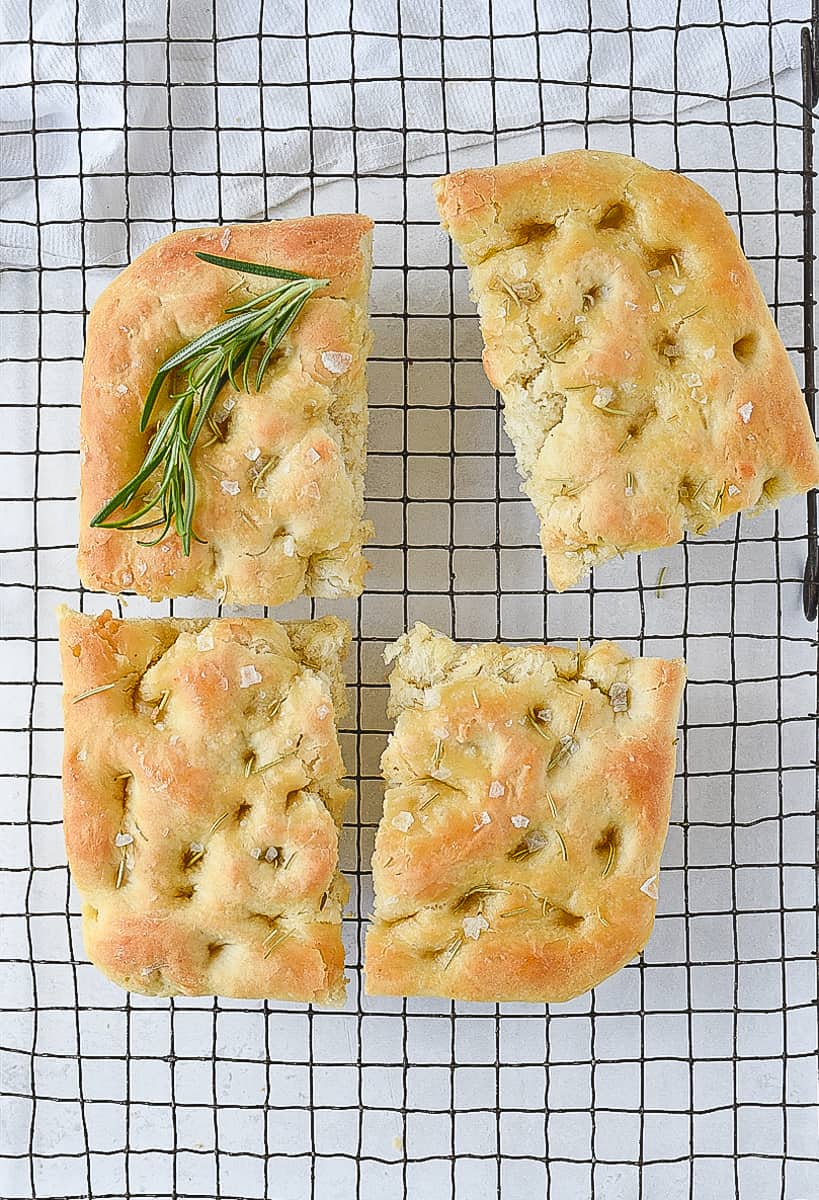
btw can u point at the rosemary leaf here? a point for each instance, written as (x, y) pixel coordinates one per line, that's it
(207, 364)
(95, 691)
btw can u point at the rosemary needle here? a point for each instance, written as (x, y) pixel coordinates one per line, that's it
(207, 364)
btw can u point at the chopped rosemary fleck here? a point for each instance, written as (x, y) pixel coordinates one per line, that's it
(658, 591)
(273, 943)
(163, 700)
(569, 340)
(438, 782)
(562, 751)
(124, 775)
(425, 803)
(259, 474)
(467, 897)
(601, 918)
(104, 687)
(563, 849)
(532, 843)
(250, 762)
(194, 854)
(451, 949)
(121, 871)
(475, 699)
(577, 717)
(610, 859)
(438, 755)
(217, 823)
(675, 264)
(552, 805)
(514, 912)
(534, 719)
(625, 439)
(659, 297)
(274, 762)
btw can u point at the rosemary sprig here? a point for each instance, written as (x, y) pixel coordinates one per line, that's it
(207, 364)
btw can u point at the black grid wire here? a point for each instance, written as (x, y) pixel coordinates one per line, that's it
(692, 1072)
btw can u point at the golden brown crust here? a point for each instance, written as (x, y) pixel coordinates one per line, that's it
(280, 498)
(528, 795)
(202, 800)
(646, 388)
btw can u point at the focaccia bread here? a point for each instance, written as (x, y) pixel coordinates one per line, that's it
(646, 388)
(528, 795)
(279, 473)
(202, 802)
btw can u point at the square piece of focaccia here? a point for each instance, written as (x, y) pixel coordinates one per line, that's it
(528, 795)
(645, 386)
(203, 797)
(279, 472)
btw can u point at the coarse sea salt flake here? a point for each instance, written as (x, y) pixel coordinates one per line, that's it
(496, 789)
(252, 453)
(82, 755)
(481, 819)
(289, 546)
(709, 352)
(256, 852)
(271, 854)
(123, 839)
(322, 711)
(204, 640)
(630, 304)
(745, 411)
(651, 887)
(603, 397)
(474, 926)
(676, 288)
(733, 490)
(402, 820)
(337, 362)
(313, 455)
(519, 821)
(121, 389)
(230, 487)
(248, 676)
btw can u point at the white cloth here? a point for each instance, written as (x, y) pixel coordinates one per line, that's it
(260, 172)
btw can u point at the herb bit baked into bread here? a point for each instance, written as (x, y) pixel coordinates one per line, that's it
(203, 797)
(646, 389)
(278, 466)
(528, 795)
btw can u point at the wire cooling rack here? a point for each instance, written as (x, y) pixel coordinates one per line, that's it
(692, 1072)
